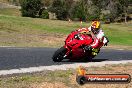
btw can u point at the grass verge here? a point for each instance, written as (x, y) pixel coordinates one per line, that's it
(64, 79)
(29, 32)
(10, 11)
(35, 32)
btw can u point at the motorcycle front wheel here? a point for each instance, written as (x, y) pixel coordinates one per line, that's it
(59, 54)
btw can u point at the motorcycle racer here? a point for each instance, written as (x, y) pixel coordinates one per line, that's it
(83, 43)
(98, 35)
(99, 38)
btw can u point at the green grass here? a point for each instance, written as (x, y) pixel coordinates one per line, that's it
(26, 80)
(54, 26)
(10, 11)
(119, 34)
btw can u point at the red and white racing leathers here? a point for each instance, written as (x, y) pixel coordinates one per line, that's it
(98, 39)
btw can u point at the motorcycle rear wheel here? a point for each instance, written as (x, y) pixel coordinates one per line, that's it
(59, 54)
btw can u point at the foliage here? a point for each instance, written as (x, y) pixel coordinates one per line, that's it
(62, 8)
(116, 8)
(58, 7)
(79, 10)
(45, 14)
(30, 8)
(47, 3)
(84, 9)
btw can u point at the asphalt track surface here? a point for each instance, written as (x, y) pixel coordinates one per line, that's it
(15, 58)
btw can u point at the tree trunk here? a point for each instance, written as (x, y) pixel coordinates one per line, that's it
(125, 19)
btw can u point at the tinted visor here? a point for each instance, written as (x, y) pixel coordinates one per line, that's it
(95, 30)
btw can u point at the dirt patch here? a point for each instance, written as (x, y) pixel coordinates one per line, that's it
(29, 38)
(50, 85)
(6, 5)
(46, 40)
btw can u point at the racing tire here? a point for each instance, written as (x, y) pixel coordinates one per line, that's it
(88, 59)
(59, 54)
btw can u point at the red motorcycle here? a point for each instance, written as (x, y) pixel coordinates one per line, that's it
(75, 48)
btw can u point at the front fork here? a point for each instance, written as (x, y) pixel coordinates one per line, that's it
(68, 51)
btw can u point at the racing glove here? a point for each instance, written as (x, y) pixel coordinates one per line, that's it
(106, 43)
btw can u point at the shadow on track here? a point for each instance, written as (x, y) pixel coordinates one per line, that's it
(80, 61)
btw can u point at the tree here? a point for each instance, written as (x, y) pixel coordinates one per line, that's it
(69, 5)
(87, 10)
(117, 8)
(30, 8)
(80, 11)
(47, 3)
(58, 8)
(62, 8)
